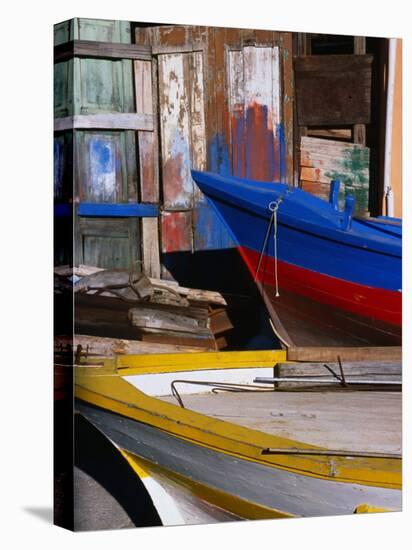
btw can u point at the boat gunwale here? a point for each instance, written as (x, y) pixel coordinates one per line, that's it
(380, 244)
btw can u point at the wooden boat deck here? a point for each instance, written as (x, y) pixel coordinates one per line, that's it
(363, 421)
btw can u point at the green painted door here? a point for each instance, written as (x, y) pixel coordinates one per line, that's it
(105, 162)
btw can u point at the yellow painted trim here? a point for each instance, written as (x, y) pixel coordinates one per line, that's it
(135, 463)
(231, 503)
(113, 393)
(368, 509)
(173, 362)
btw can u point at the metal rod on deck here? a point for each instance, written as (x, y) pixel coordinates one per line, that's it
(260, 380)
(328, 452)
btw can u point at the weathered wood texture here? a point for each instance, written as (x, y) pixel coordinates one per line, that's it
(118, 121)
(325, 160)
(176, 231)
(148, 146)
(381, 371)
(178, 321)
(107, 242)
(95, 96)
(387, 353)
(203, 125)
(95, 49)
(257, 136)
(347, 420)
(333, 89)
(99, 346)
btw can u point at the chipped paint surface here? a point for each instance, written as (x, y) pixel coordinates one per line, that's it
(220, 110)
(257, 134)
(176, 229)
(174, 120)
(326, 160)
(103, 167)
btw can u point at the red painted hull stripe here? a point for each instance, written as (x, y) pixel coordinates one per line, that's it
(374, 303)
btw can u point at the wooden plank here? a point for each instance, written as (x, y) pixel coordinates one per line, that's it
(333, 89)
(359, 130)
(286, 80)
(264, 139)
(143, 87)
(100, 346)
(118, 210)
(193, 294)
(96, 49)
(180, 339)
(175, 134)
(197, 112)
(219, 321)
(150, 247)
(331, 133)
(387, 353)
(164, 320)
(325, 160)
(236, 112)
(108, 121)
(146, 96)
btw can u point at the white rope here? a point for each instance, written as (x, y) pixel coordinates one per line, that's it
(275, 246)
(273, 207)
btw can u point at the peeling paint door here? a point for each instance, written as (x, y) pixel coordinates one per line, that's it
(256, 129)
(188, 222)
(105, 162)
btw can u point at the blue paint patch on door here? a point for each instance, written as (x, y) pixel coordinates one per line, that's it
(102, 185)
(210, 232)
(219, 158)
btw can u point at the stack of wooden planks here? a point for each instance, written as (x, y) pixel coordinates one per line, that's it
(121, 312)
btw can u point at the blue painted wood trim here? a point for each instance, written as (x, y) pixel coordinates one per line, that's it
(135, 210)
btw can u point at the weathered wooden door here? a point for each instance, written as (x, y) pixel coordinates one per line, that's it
(105, 160)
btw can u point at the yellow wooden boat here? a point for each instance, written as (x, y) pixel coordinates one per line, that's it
(201, 423)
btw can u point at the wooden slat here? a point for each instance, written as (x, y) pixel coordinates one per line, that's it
(262, 113)
(333, 89)
(139, 210)
(107, 121)
(157, 319)
(197, 112)
(323, 160)
(146, 96)
(100, 346)
(387, 353)
(96, 49)
(180, 339)
(150, 247)
(286, 81)
(175, 132)
(331, 133)
(236, 111)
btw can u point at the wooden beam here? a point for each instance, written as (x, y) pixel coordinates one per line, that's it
(359, 130)
(136, 210)
(107, 121)
(150, 247)
(386, 353)
(99, 346)
(106, 50)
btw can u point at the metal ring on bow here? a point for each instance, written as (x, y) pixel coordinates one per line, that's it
(274, 205)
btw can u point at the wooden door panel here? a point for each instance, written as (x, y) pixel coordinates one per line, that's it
(106, 166)
(108, 242)
(63, 88)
